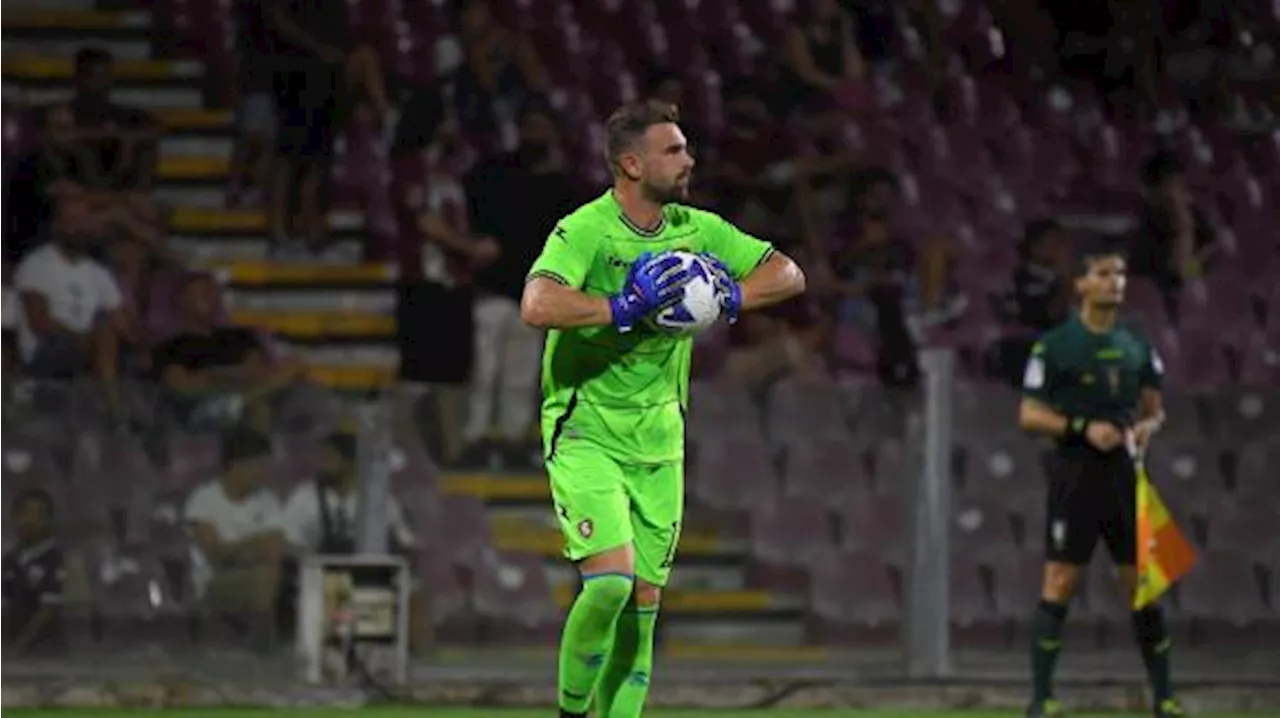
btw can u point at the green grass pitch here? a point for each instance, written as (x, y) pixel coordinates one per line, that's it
(428, 712)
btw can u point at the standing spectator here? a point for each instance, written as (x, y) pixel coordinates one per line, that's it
(822, 54)
(33, 579)
(72, 319)
(500, 70)
(256, 120)
(1038, 299)
(318, 72)
(1174, 241)
(516, 199)
(439, 257)
(238, 544)
(214, 371)
(126, 138)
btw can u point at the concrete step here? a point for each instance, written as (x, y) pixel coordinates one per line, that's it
(374, 300)
(120, 48)
(45, 71)
(188, 96)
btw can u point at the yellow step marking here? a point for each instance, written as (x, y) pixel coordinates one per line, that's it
(63, 68)
(73, 19)
(317, 324)
(269, 273)
(194, 167)
(194, 119)
(516, 534)
(741, 601)
(352, 377)
(483, 486)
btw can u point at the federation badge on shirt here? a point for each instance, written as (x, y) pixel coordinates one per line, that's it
(586, 528)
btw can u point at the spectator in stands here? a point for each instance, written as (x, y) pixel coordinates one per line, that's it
(823, 57)
(238, 543)
(517, 199)
(501, 68)
(256, 121)
(757, 161)
(72, 321)
(320, 517)
(1039, 298)
(1175, 241)
(318, 72)
(786, 339)
(126, 139)
(33, 579)
(439, 257)
(215, 371)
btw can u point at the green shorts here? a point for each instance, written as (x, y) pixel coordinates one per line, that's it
(602, 504)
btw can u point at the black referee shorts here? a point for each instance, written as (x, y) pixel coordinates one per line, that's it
(1091, 497)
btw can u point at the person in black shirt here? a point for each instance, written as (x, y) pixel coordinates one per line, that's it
(126, 138)
(516, 199)
(208, 364)
(1036, 301)
(1175, 241)
(33, 579)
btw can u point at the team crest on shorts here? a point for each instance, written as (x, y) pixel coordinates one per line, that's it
(586, 528)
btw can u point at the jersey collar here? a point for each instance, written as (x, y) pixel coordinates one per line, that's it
(622, 216)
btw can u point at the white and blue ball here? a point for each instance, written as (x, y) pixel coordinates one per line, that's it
(701, 305)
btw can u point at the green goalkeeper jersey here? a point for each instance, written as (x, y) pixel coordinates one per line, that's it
(625, 393)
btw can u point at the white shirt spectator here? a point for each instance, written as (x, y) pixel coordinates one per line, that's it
(232, 520)
(78, 290)
(304, 527)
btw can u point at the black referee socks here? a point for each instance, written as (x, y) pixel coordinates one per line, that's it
(1046, 640)
(1153, 640)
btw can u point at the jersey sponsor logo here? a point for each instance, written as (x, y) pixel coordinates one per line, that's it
(1033, 377)
(586, 528)
(559, 232)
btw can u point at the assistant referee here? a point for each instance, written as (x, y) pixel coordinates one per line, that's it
(1093, 386)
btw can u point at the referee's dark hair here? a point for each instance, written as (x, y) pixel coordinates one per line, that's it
(27, 495)
(629, 123)
(1090, 251)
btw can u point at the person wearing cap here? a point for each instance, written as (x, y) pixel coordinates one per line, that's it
(238, 543)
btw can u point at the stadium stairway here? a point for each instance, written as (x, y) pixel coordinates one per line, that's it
(335, 311)
(338, 314)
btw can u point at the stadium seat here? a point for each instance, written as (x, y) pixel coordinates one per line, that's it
(787, 540)
(1222, 600)
(853, 600)
(513, 599)
(823, 469)
(733, 474)
(801, 406)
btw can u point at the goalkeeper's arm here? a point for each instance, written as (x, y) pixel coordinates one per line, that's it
(548, 304)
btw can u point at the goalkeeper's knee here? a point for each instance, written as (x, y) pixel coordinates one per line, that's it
(607, 591)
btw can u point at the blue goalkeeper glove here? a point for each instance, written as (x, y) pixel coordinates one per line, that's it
(653, 282)
(729, 289)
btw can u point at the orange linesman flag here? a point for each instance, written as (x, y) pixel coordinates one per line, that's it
(1164, 553)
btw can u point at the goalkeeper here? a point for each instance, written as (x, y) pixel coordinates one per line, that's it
(615, 392)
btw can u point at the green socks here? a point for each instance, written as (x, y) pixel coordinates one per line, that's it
(1153, 640)
(589, 636)
(1046, 641)
(626, 679)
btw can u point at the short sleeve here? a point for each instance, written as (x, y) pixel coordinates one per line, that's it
(739, 251)
(109, 297)
(297, 519)
(32, 274)
(200, 506)
(1152, 376)
(566, 256)
(1039, 376)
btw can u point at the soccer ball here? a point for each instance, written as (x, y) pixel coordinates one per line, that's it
(701, 305)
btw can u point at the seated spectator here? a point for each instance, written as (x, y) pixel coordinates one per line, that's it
(516, 198)
(823, 57)
(786, 339)
(238, 543)
(500, 70)
(1039, 298)
(72, 321)
(217, 372)
(318, 72)
(33, 580)
(320, 517)
(126, 139)
(1175, 241)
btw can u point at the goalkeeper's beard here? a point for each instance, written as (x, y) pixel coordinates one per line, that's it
(666, 195)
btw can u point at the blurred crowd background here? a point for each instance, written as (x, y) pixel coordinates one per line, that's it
(229, 222)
